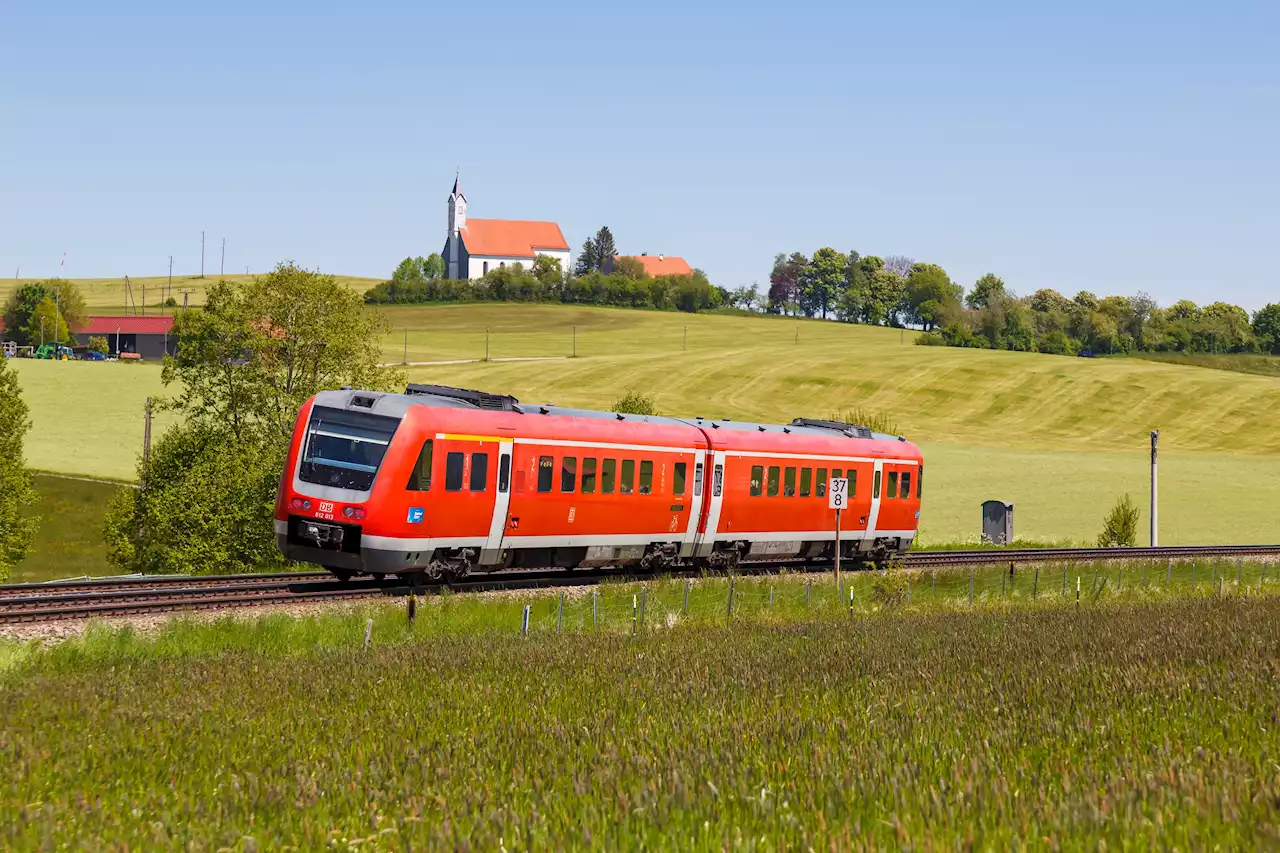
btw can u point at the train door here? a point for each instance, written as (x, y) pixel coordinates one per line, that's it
(492, 551)
(876, 477)
(697, 508)
(714, 496)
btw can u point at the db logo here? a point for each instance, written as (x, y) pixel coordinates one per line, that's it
(326, 507)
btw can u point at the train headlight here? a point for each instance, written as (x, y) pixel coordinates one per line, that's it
(353, 512)
(299, 503)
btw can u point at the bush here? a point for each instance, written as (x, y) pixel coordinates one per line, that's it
(874, 421)
(99, 344)
(889, 587)
(16, 493)
(634, 403)
(1121, 527)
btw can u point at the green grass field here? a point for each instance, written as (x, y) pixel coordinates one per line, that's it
(107, 295)
(69, 540)
(1120, 724)
(1262, 365)
(1061, 438)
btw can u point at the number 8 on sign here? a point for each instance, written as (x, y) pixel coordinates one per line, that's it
(837, 493)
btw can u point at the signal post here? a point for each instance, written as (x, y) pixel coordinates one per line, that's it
(837, 499)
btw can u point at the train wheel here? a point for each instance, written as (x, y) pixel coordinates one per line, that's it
(343, 575)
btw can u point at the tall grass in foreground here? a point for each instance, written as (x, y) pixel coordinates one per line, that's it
(1132, 725)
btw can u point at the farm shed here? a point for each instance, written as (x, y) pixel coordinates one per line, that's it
(148, 337)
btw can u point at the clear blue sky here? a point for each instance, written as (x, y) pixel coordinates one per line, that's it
(1083, 146)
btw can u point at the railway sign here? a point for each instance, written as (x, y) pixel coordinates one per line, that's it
(838, 493)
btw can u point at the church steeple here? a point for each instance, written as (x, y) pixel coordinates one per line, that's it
(457, 221)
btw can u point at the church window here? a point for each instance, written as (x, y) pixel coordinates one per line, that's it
(486, 268)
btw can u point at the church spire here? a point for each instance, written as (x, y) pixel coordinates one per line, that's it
(457, 185)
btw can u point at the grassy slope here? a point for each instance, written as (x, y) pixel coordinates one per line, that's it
(69, 541)
(1140, 725)
(1060, 437)
(1263, 365)
(107, 295)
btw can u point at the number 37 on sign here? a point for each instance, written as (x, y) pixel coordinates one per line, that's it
(837, 493)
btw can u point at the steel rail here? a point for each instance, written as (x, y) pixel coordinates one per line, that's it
(132, 595)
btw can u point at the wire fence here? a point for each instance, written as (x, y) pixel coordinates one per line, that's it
(719, 600)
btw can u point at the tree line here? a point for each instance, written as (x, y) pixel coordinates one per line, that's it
(898, 291)
(44, 312)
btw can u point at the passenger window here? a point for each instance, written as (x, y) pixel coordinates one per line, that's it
(546, 470)
(835, 474)
(588, 476)
(504, 472)
(628, 477)
(568, 473)
(646, 477)
(853, 482)
(920, 483)
(420, 477)
(608, 470)
(789, 483)
(875, 486)
(906, 484)
(678, 483)
(757, 480)
(479, 472)
(821, 489)
(893, 485)
(806, 482)
(697, 480)
(453, 472)
(719, 481)
(773, 481)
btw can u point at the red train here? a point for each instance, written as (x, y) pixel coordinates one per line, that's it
(442, 481)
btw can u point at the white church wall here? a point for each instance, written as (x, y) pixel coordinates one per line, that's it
(476, 266)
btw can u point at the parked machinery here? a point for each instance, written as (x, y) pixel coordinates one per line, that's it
(442, 482)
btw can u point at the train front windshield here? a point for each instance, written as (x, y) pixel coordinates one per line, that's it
(343, 449)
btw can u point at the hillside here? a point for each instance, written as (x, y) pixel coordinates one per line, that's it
(1061, 438)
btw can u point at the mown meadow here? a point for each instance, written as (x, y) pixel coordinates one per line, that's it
(1124, 722)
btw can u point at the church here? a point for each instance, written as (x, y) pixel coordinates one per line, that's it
(476, 246)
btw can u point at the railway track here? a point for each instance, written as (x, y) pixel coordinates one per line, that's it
(132, 595)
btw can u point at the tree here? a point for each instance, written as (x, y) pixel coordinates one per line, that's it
(932, 298)
(97, 343)
(784, 282)
(588, 259)
(630, 268)
(433, 266)
(635, 403)
(822, 280)
(604, 245)
(1121, 526)
(899, 264)
(46, 324)
(23, 303)
(17, 528)
(1266, 326)
(244, 367)
(987, 291)
(744, 297)
(546, 269)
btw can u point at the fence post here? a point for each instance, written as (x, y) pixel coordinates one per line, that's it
(486, 343)
(575, 340)
(1264, 573)
(1064, 580)
(1035, 587)
(1144, 574)
(524, 621)
(368, 632)
(933, 585)
(1077, 593)
(595, 602)
(634, 611)
(644, 593)
(770, 596)
(1168, 574)
(1002, 582)
(684, 608)
(731, 598)
(971, 584)
(1193, 572)
(1094, 585)
(1238, 562)
(560, 614)
(1220, 579)
(405, 360)
(850, 600)
(808, 583)
(685, 344)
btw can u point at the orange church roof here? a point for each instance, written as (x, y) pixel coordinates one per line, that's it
(656, 265)
(511, 238)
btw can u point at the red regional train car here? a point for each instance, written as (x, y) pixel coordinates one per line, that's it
(443, 481)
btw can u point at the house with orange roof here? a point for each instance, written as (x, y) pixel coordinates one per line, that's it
(476, 246)
(655, 265)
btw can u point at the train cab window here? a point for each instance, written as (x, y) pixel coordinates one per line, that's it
(893, 485)
(718, 482)
(546, 470)
(678, 483)
(806, 482)
(906, 484)
(697, 480)
(588, 476)
(789, 483)
(628, 477)
(453, 465)
(479, 472)
(773, 480)
(875, 486)
(853, 482)
(646, 477)
(821, 485)
(757, 480)
(420, 477)
(608, 470)
(504, 472)
(920, 483)
(568, 473)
